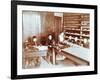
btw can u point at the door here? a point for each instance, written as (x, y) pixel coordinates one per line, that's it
(57, 27)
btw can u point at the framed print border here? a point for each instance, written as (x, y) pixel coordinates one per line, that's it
(14, 38)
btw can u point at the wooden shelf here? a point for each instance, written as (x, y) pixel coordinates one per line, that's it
(73, 30)
(86, 30)
(73, 34)
(71, 26)
(86, 36)
(75, 18)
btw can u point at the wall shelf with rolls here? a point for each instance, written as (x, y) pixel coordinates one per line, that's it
(77, 28)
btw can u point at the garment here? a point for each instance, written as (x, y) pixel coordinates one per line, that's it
(61, 37)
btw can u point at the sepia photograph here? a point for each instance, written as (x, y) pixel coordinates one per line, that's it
(52, 39)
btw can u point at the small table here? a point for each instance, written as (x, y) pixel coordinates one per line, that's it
(42, 50)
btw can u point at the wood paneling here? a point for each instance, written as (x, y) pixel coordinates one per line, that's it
(47, 22)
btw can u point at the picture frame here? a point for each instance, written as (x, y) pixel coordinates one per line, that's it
(19, 8)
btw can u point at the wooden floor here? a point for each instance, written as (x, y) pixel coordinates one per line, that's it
(66, 62)
(47, 64)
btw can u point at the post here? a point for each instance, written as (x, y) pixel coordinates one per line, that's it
(54, 56)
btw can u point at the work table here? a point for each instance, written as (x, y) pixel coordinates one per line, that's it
(77, 51)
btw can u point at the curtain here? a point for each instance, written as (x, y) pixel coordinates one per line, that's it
(31, 24)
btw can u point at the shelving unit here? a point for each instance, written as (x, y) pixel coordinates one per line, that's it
(76, 27)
